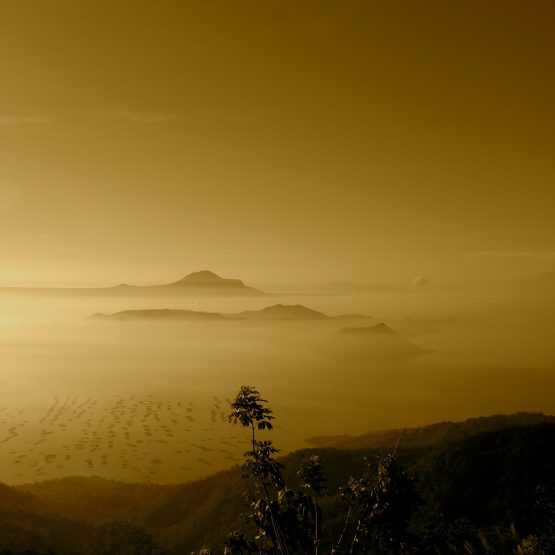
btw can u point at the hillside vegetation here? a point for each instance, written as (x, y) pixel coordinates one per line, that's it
(480, 486)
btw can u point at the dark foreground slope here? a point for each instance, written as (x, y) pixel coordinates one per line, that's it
(483, 477)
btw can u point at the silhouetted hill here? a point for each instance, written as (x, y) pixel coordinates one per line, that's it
(284, 312)
(490, 477)
(206, 278)
(14, 499)
(378, 340)
(22, 532)
(164, 314)
(297, 312)
(275, 312)
(433, 434)
(378, 330)
(98, 500)
(203, 283)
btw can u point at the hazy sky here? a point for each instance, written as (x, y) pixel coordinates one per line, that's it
(276, 141)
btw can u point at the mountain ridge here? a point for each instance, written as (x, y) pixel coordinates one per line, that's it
(273, 312)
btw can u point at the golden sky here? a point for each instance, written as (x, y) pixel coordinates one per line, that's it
(276, 140)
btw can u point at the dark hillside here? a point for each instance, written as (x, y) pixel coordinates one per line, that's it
(492, 477)
(487, 479)
(432, 434)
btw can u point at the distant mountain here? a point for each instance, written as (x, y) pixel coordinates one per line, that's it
(298, 312)
(275, 312)
(203, 283)
(284, 312)
(372, 341)
(205, 278)
(163, 314)
(381, 330)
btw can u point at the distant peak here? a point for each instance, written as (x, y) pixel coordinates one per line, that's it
(285, 312)
(203, 275)
(299, 308)
(206, 277)
(378, 329)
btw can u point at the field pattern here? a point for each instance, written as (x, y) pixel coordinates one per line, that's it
(124, 437)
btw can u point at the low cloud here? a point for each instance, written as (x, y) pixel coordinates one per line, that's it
(497, 255)
(130, 116)
(14, 120)
(139, 117)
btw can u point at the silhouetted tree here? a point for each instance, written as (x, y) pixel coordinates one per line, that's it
(379, 505)
(542, 541)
